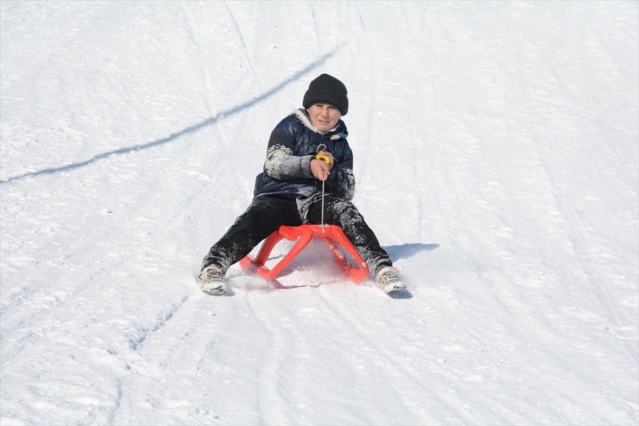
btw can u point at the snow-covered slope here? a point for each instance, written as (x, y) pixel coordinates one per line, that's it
(496, 150)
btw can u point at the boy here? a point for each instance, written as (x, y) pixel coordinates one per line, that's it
(289, 189)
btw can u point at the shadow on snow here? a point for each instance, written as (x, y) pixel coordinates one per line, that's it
(404, 251)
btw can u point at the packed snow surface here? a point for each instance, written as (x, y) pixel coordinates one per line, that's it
(496, 153)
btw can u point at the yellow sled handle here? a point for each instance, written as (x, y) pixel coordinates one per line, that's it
(323, 157)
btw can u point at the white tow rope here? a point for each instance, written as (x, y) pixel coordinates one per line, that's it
(321, 147)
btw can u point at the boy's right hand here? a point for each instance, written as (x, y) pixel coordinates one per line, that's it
(320, 169)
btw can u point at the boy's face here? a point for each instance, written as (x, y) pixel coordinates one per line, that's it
(324, 116)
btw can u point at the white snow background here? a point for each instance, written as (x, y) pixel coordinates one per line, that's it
(496, 152)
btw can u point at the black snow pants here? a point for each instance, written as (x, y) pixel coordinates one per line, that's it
(266, 214)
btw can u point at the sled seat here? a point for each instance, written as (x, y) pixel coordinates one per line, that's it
(332, 235)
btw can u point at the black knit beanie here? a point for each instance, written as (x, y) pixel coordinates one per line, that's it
(326, 89)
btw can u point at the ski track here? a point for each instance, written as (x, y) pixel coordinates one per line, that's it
(582, 251)
(495, 149)
(398, 374)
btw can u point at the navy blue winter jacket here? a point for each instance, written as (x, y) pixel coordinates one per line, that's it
(291, 147)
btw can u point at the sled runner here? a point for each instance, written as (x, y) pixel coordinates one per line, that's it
(332, 235)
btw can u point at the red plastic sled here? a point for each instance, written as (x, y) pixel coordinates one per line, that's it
(330, 234)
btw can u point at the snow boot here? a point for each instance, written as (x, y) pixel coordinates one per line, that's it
(388, 279)
(211, 280)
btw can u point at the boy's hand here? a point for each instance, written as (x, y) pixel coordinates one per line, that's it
(320, 169)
